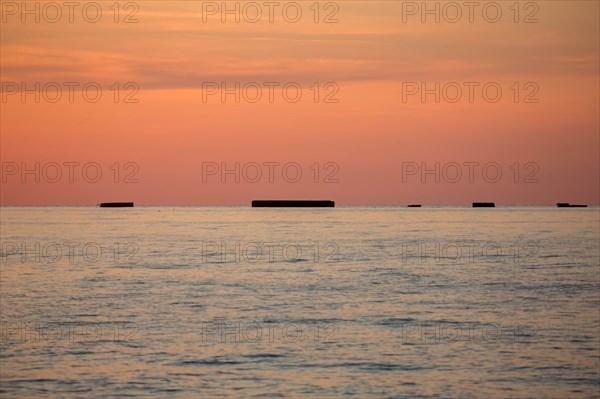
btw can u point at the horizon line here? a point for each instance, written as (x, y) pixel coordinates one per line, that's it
(249, 205)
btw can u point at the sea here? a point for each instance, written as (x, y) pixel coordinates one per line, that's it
(240, 302)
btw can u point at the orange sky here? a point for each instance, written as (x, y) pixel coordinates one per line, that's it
(369, 133)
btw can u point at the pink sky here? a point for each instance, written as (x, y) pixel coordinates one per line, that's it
(370, 133)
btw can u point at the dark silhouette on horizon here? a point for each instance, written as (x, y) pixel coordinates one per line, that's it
(293, 204)
(567, 205)
(116, 205)
(484, 205)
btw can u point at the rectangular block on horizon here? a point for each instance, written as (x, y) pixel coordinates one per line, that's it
(484, 205)
(116, 205)
(293, 204)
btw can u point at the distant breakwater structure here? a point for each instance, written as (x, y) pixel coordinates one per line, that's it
(484, 205)
(116, 205)
(293, 204)
(567, 205)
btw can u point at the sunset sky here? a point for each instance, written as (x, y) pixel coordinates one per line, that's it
(374, 53)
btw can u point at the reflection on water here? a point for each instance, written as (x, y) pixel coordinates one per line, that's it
(240, 302)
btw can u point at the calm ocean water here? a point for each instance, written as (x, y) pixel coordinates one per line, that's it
(359, 302)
